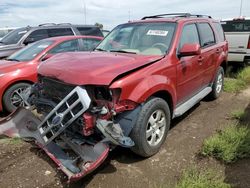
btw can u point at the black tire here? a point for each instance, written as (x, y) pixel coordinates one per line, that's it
(215, 93)
(138, 133)
(7, 103)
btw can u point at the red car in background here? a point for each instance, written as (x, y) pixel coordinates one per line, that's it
(19, 71)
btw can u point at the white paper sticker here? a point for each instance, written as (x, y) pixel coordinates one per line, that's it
(157, 32)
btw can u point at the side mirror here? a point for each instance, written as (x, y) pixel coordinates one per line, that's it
(190, 50)
(46, 56)
(28, 41)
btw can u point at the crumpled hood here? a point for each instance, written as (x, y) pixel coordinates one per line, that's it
(92, 68)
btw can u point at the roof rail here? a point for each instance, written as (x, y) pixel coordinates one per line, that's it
(64, 24)
(46, 24)
(176, 15)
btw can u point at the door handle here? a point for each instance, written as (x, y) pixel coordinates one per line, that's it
(200, 59)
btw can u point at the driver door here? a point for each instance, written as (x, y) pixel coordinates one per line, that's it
(189, 69)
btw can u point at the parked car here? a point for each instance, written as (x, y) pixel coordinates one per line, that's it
(20, 37)
(237, 33)
(5, 30)
(19, 70)
(126, 92)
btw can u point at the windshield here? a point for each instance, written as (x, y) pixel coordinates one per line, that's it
(30, 52)
(14, 36)
(140, 38)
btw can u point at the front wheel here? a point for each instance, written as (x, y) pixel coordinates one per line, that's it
(16, 96)
(151, 127)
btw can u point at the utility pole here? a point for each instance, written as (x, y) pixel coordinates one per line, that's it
(85, 11)
(129, 15)
(241, 2)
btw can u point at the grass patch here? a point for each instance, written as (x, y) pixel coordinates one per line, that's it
(238, 114)
(234, 85)
(240, 82)
(193, 178)
(13, 141)
(244, 75)
(228, 145)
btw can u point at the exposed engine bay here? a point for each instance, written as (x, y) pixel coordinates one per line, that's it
(76, 126)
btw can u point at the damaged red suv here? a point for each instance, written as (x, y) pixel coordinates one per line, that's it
(125, 93)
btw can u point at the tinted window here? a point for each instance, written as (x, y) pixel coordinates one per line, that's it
(94, 31)
(31, 51)
(60, 32)
(189, 35)
(39, 34)
(89, 44)
(236, 26)
(67, 46)
(206, 34)
(219, 31)
(14, 36)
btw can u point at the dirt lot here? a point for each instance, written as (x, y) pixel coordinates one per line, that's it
(23, 165)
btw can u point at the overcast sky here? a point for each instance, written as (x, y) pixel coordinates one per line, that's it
(16, 13)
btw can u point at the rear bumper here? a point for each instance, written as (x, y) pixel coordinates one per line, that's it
(237, 57)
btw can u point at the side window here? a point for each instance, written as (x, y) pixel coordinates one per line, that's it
(94, 31)
(206, 34)
(189, 35)
(38, 35)
(60, 32)
(67, 46)
(89, 44)
(219, 31)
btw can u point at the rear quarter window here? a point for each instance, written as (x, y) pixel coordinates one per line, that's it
(94, 31)
(219, 31)
(236, 26)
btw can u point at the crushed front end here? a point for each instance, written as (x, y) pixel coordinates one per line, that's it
(76, 126)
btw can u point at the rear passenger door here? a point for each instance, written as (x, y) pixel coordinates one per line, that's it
(208, 52)
(189, 71)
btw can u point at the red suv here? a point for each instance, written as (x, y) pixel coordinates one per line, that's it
(126, 92)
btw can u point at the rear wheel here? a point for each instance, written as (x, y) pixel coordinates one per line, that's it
(218, 83)
(151, 127)
(16, 96)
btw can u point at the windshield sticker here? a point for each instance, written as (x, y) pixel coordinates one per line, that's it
(22, 32)
(43, 46)
(223, 23)
(157, 32)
